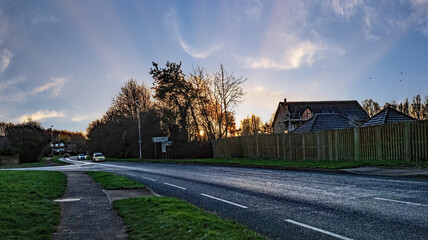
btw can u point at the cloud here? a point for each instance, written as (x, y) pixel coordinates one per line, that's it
(81, 118)
(192, 51)
(5, 57)
(384, 18)
(39, 115)
(345, 8)
(301, 54)
(55, 87)
(5, 85)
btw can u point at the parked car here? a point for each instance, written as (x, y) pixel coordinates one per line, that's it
(66, 155)
(81, 156)
(98, 157)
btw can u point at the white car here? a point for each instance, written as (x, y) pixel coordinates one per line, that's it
(81, 156)
(98, 157)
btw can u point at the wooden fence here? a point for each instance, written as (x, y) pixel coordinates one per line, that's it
(405, 141)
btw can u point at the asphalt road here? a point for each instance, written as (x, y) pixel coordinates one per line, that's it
(290, 204)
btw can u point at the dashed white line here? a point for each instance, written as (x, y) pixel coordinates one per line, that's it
(410, 203)
(151, 179)
(219, 199)
(172, 185)
(319, 230)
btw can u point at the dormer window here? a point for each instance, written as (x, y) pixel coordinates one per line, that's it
(307, 113)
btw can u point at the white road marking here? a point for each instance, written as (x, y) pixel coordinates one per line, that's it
(67, 200)
(219, 199)
(172, 185)
(319, 230)
(151, 179)
(410, 203)
(109, 199)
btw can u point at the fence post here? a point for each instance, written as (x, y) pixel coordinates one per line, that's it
(289, 146)
(407, 145)
(330, 145)
(318, 146)
(336, 144)
(356, 143)
(303, 146)
(257, 145)
(283, 144)
(378, 137)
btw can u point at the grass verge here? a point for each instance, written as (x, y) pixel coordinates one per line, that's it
(170, 218)
(43, 162)
(26, 210)
(113, 181)
(282, 164)
(57, 161)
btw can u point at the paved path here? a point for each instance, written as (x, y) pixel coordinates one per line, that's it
(92, 217)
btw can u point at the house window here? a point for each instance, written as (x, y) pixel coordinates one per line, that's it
(306, 114)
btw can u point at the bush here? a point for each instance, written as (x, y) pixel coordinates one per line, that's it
(29, 138)
(10, 151)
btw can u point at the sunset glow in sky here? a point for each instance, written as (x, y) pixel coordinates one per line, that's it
(62, 61)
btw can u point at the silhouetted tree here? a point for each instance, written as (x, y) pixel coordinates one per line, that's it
(416, 110)
(371, 107)
(227, 93)
(29, 137)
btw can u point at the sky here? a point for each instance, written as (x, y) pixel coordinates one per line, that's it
(62, 62)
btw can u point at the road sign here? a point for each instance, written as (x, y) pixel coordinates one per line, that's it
(167, 143)
(140, 141)
(163, 148)
(160, 139)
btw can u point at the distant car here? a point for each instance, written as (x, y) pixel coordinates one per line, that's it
(81, 156)
(66, 155)
(98, 157)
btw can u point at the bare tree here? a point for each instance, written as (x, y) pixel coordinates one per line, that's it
(132, 98)
(371, 107)
(227, 94)
(416, 107)
(201, 84)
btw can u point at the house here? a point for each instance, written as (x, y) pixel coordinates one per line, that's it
(387, 115)
(290, 115)
(325, 121)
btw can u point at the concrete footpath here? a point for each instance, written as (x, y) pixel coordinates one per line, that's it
(86, 211)
(378, 171)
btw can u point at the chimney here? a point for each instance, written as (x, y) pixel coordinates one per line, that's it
(285, 100)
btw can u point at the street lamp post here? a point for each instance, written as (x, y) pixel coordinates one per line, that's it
(52, 144)
(139, 127)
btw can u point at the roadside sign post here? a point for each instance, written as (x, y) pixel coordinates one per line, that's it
(164, 141)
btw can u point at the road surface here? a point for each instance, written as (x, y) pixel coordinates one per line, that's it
(289, 204)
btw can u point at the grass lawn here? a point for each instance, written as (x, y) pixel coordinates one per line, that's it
(41, 163)
(26, 210)
(282, 164)
(113, 181)
(170, 218)
(57, 161)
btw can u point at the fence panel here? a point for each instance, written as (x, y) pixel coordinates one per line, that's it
(405, 141)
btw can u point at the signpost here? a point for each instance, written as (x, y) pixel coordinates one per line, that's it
(160, 139)
(164, 141)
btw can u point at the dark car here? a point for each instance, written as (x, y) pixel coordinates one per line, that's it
(66, 155)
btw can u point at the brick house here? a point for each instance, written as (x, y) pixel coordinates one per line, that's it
(290, 115)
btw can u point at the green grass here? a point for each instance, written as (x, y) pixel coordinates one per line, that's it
(282, 164)
(113, 181)
(170, 218)
(57, 161)
(41, 163)
(26, 210)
